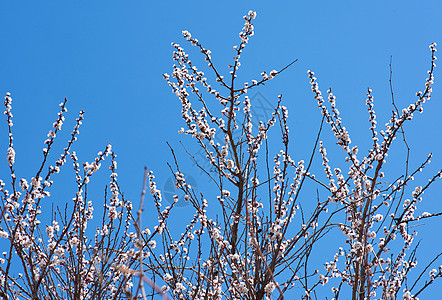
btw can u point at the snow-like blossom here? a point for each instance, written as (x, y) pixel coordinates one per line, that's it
(11, 156)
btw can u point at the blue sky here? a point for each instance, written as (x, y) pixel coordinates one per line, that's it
(107, 58)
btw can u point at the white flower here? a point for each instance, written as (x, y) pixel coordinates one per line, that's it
(186, 34)
(407, 296)
(270, 287)
(167, 277)
(152, 244)
(252, 14)
(230, 164)
(112, 214)
(50, 231)
(11, 156)
(378, 217)
(74, 241)
(226, 193)
(3, 234)
(179, 287)
(417, 191)
(242, 288)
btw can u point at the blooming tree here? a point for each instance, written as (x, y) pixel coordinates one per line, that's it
(255, 238)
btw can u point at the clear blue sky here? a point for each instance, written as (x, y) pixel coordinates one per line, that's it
(107, 58)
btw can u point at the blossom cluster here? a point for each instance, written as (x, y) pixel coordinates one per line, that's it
(62, 259)
(252, 235)
(272, 236)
